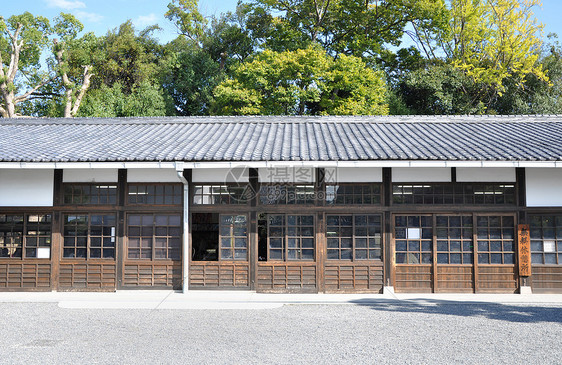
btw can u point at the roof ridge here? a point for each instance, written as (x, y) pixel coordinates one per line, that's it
(274, 119)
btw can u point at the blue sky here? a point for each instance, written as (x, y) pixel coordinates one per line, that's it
(101, 15)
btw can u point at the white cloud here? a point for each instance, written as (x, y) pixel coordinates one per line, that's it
(91, 17)
(65, 4)
(145, 20)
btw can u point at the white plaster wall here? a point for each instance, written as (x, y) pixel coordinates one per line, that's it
(287, 175)
(484, 174)
(20, 188)
(89, 175)
(544, 187)
(353, 174)
(421, 174)
(152, 176)
(220, 175)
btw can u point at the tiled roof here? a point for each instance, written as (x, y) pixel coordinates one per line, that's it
(280, 138)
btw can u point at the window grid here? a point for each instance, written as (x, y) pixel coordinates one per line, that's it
(89, 236)
(454, 240)
(361, 194)
(90, 194)
(234, 237)
(354, 237)
(290, 237)
(454, 193)
(287, 194)
(37, 233)
(413, 239)
(154, 236)
(496, 239)
(546, 239)
(21, 235)
(220, 194)
(155, 194)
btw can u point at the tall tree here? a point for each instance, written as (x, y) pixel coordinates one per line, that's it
(302, 82)
(490, 41)
(189, 75)
(22, 39)
(67, 28)
(354, 27)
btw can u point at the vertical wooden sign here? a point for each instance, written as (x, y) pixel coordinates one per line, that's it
(524, 238)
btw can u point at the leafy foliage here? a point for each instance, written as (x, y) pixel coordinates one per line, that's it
(302, 82)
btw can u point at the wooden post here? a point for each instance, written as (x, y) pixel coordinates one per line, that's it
(120, 249)
(56, 238)
(320, 199)
(524, 277)
(475, 251)
(253, 252)
(388, 258)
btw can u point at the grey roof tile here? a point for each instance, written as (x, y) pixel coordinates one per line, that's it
(281, 138)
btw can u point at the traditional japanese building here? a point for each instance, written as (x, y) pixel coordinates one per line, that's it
(282, 204)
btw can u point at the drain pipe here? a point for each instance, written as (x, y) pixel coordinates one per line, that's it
(185, 241)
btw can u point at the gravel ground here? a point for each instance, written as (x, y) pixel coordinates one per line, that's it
(397, 332)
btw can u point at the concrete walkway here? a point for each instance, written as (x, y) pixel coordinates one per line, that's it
(199, 299)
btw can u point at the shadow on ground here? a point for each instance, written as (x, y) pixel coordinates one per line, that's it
(497, 311)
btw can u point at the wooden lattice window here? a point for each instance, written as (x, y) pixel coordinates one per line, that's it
(290, 237)
(154, 236)
(37, 239)
(155, 194)
(454, 239)
(546, 239)
(496, 242)
(220, 194)
(90, 194)
(413, 239)
(354, 237)
(361, 194)
(233, 237)
(25, 235)
(287, 194)
(89, 236)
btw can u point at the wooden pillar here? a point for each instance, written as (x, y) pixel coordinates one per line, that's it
(253, 257)
(475, 251)
(56, 234)
(186, 236)
(120, 249)
(520, 178)
(388, 259)
(320, 201)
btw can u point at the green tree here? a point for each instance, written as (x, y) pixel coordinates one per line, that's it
(440, 89)
(145, 99)
(354, 27)
(490, 41)
(74, 61)
(302, 82)
(226, 39)
(189, 76)
(22, 40)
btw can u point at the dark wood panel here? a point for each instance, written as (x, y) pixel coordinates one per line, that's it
(287, 277)
(149, 274)
(413, 279)
(455, 279)
(497, 279)
(219, 275)
(78, 276)
(353, 278)
(546, 279)
(27, 276)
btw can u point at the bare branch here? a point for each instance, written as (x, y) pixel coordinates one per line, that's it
(19, 99)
